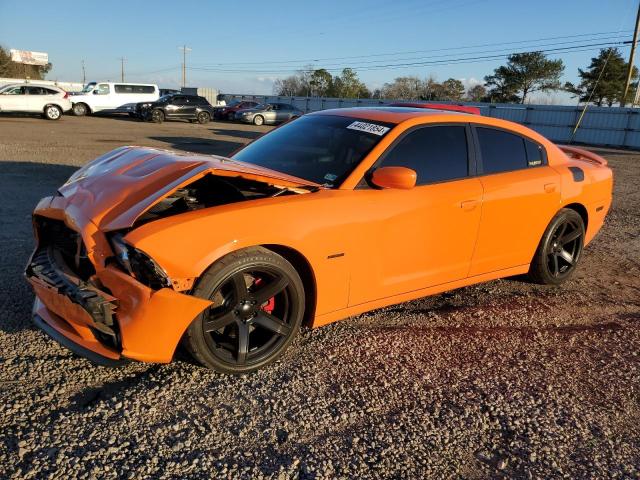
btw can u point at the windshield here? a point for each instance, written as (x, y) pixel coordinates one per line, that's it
(233, 103)
(166, 97)
(89, 87)
(321, 148)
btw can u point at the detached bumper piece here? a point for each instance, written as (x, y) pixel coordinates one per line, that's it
(72, 311)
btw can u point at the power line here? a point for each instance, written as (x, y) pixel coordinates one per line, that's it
(450, 61)
(466, 47)
(631, 55)
(501, 50)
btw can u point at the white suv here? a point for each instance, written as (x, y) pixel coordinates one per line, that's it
(47, 100)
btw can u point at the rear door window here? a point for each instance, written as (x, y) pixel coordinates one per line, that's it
(501, 151)
(436, 154)
(35, 91)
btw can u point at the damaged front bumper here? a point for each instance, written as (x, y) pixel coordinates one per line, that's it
(109, 316)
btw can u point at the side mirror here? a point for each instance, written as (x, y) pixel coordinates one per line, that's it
(96, 92)
(394, 177)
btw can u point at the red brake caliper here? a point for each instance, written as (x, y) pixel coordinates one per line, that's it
(271, 303)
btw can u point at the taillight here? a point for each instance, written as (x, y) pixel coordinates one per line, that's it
(66, 95)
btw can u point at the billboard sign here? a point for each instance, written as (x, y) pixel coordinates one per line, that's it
(29, 58)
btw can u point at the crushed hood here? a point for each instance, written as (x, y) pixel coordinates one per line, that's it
(115, 189)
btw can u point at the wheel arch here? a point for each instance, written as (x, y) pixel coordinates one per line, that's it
(581, 210)
(299, 262)
(304, 268)
(52, 104)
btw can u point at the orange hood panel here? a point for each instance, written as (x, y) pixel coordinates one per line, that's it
(115, 189)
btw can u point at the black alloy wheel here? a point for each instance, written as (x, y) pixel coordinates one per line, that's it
(258, 305)
(560, 249)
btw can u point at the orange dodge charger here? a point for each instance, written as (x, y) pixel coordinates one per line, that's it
(333, 214)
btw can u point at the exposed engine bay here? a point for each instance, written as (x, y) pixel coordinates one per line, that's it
(214, 190)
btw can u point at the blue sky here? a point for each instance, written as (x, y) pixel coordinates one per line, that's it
(266, 39)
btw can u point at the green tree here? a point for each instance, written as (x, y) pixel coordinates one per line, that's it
(452, 90)
(11, 69)
(524, 74)
(321, 83)
(405, 88)
(348, 85)
(477, 93)
(610, 87)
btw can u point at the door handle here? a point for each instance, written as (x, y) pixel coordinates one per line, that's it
(550, 187)
(468, 205)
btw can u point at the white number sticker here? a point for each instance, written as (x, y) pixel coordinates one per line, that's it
(369, 128)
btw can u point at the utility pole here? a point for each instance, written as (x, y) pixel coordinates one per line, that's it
(122, 60)
(184, 49)
(84, 75)
(633, 52)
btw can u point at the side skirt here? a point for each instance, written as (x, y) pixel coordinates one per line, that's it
(330, 317)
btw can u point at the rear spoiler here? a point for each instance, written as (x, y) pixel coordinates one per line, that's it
(437, 106)
(581, 154)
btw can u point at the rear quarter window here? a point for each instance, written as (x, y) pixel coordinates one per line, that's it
(501, 151)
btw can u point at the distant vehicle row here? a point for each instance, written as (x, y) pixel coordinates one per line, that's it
(138, 100)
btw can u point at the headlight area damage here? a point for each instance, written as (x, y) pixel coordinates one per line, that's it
(102, 297)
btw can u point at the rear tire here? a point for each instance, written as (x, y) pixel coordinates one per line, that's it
(203, 117)
(80, 109)
(258, 120)
(52, 112)
(559, 250)
(157, 116)
(257, 312)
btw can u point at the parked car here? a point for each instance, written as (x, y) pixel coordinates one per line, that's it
(109, 97)
(49, 101)
(176, 107)
(331, 215)
(227, 112)
(268, 113)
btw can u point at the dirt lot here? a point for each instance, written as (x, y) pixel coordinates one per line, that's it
(504, 379)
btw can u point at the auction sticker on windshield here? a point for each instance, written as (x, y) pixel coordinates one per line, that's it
(369, 128)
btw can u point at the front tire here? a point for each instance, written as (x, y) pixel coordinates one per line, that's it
(52, 112)
(559, 250)
(258, 307)
(80, 109)
(258, 120)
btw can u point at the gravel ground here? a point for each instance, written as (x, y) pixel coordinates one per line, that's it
(500, 380)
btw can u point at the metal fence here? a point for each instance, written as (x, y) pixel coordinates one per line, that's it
(607, 126)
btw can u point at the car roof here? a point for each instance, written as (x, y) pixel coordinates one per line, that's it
(28, 84)
(389, 114)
